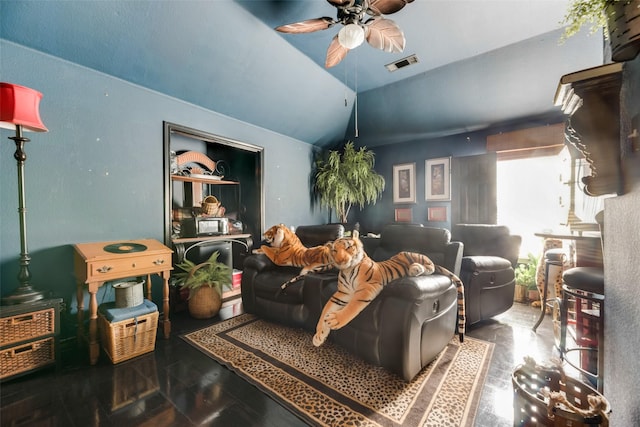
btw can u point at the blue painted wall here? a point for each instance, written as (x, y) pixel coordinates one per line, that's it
(97, 174)
(373, 217)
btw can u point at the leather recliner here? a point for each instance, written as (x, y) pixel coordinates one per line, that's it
(487, 272)
(406, 326)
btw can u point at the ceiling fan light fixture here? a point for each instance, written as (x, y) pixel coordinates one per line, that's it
(351, 36)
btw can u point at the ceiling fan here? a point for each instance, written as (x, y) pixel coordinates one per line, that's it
(380, 32)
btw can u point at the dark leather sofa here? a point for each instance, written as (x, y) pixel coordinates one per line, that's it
(487, 271)
(403, 329)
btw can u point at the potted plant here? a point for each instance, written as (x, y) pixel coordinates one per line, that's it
(347, 178)
(620, 20)
(526, 279)
(205, 283)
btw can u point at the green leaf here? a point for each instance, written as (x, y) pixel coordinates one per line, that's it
(210, 273)
(348, 178)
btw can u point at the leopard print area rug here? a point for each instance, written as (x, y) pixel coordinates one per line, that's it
(327, 386)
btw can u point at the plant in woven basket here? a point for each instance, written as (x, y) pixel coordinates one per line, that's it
(205, 282)
(619, 20)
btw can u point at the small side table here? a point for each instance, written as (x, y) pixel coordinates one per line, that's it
(97, 263)
(29, 336)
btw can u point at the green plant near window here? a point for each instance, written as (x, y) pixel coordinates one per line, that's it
(526, 273)
(587, 12)
(348, 178)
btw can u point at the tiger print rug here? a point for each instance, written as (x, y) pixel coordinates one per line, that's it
(327, 386)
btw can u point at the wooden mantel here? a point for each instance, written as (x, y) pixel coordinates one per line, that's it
(591, 98)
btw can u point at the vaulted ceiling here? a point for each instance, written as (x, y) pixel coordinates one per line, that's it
(480, 62)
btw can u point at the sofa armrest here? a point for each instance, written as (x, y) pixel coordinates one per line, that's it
(484, 263)
(416, 289)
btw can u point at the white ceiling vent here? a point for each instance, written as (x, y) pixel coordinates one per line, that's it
(401, 63)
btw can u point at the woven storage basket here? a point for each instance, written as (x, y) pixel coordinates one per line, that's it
(210, 205)
(205, 302)
(128, 338)
(532, 406)
(129, 294)
(22, 327)
(26, 357)
(624, 29)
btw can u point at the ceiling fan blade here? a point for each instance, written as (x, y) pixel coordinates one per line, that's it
(386, 7)
(308, 26)
(384, 34)
(335, 53)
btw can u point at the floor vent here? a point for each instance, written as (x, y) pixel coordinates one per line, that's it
(401, 63)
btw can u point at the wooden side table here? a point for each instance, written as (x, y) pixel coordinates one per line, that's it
(97, 263)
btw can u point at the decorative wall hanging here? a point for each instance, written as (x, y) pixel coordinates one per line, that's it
(438, 179)
(403, 215)
(404, 183)
(437, 214)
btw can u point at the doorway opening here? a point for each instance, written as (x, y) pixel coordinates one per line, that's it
(533, 195)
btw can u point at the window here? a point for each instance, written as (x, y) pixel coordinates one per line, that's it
(533, 195)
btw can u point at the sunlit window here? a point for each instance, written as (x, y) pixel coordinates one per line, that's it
(534, 196)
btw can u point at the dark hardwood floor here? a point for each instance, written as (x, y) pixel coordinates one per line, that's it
(177, 385)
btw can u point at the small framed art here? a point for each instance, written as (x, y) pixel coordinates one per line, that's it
(404, 183)
(438, 179)
(437, 214)
(404, 215)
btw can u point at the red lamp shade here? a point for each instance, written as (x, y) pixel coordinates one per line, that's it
(19, 106)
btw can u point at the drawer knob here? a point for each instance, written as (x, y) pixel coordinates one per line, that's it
(158, 262)
(104, 269)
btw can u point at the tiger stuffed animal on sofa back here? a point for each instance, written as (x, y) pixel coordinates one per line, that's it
(287, 250)
(361, 279)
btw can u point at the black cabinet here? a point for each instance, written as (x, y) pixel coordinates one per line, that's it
(29, 335)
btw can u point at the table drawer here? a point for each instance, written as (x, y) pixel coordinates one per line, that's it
(130, 266)
(26, 326)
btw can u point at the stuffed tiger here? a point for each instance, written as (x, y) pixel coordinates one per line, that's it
(554, 288)
(361, 279)
(287, 250)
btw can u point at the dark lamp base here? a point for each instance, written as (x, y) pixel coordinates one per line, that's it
(21, 295)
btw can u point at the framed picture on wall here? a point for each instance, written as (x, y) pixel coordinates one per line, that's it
(404, 183)
(437, 214)
(404, 215)
(438, 179)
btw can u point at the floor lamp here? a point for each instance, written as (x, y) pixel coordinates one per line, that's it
(19, 111)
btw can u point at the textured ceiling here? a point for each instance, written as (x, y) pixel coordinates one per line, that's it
(439, 32)
(480, 61)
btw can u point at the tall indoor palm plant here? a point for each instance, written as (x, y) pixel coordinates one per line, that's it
(348, 178)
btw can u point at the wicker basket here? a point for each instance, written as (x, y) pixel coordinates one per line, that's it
(210, 205)
(545, 396)
(26, 357)
(128, 338)
(204, 302)
(624, 29)
(22, 327)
